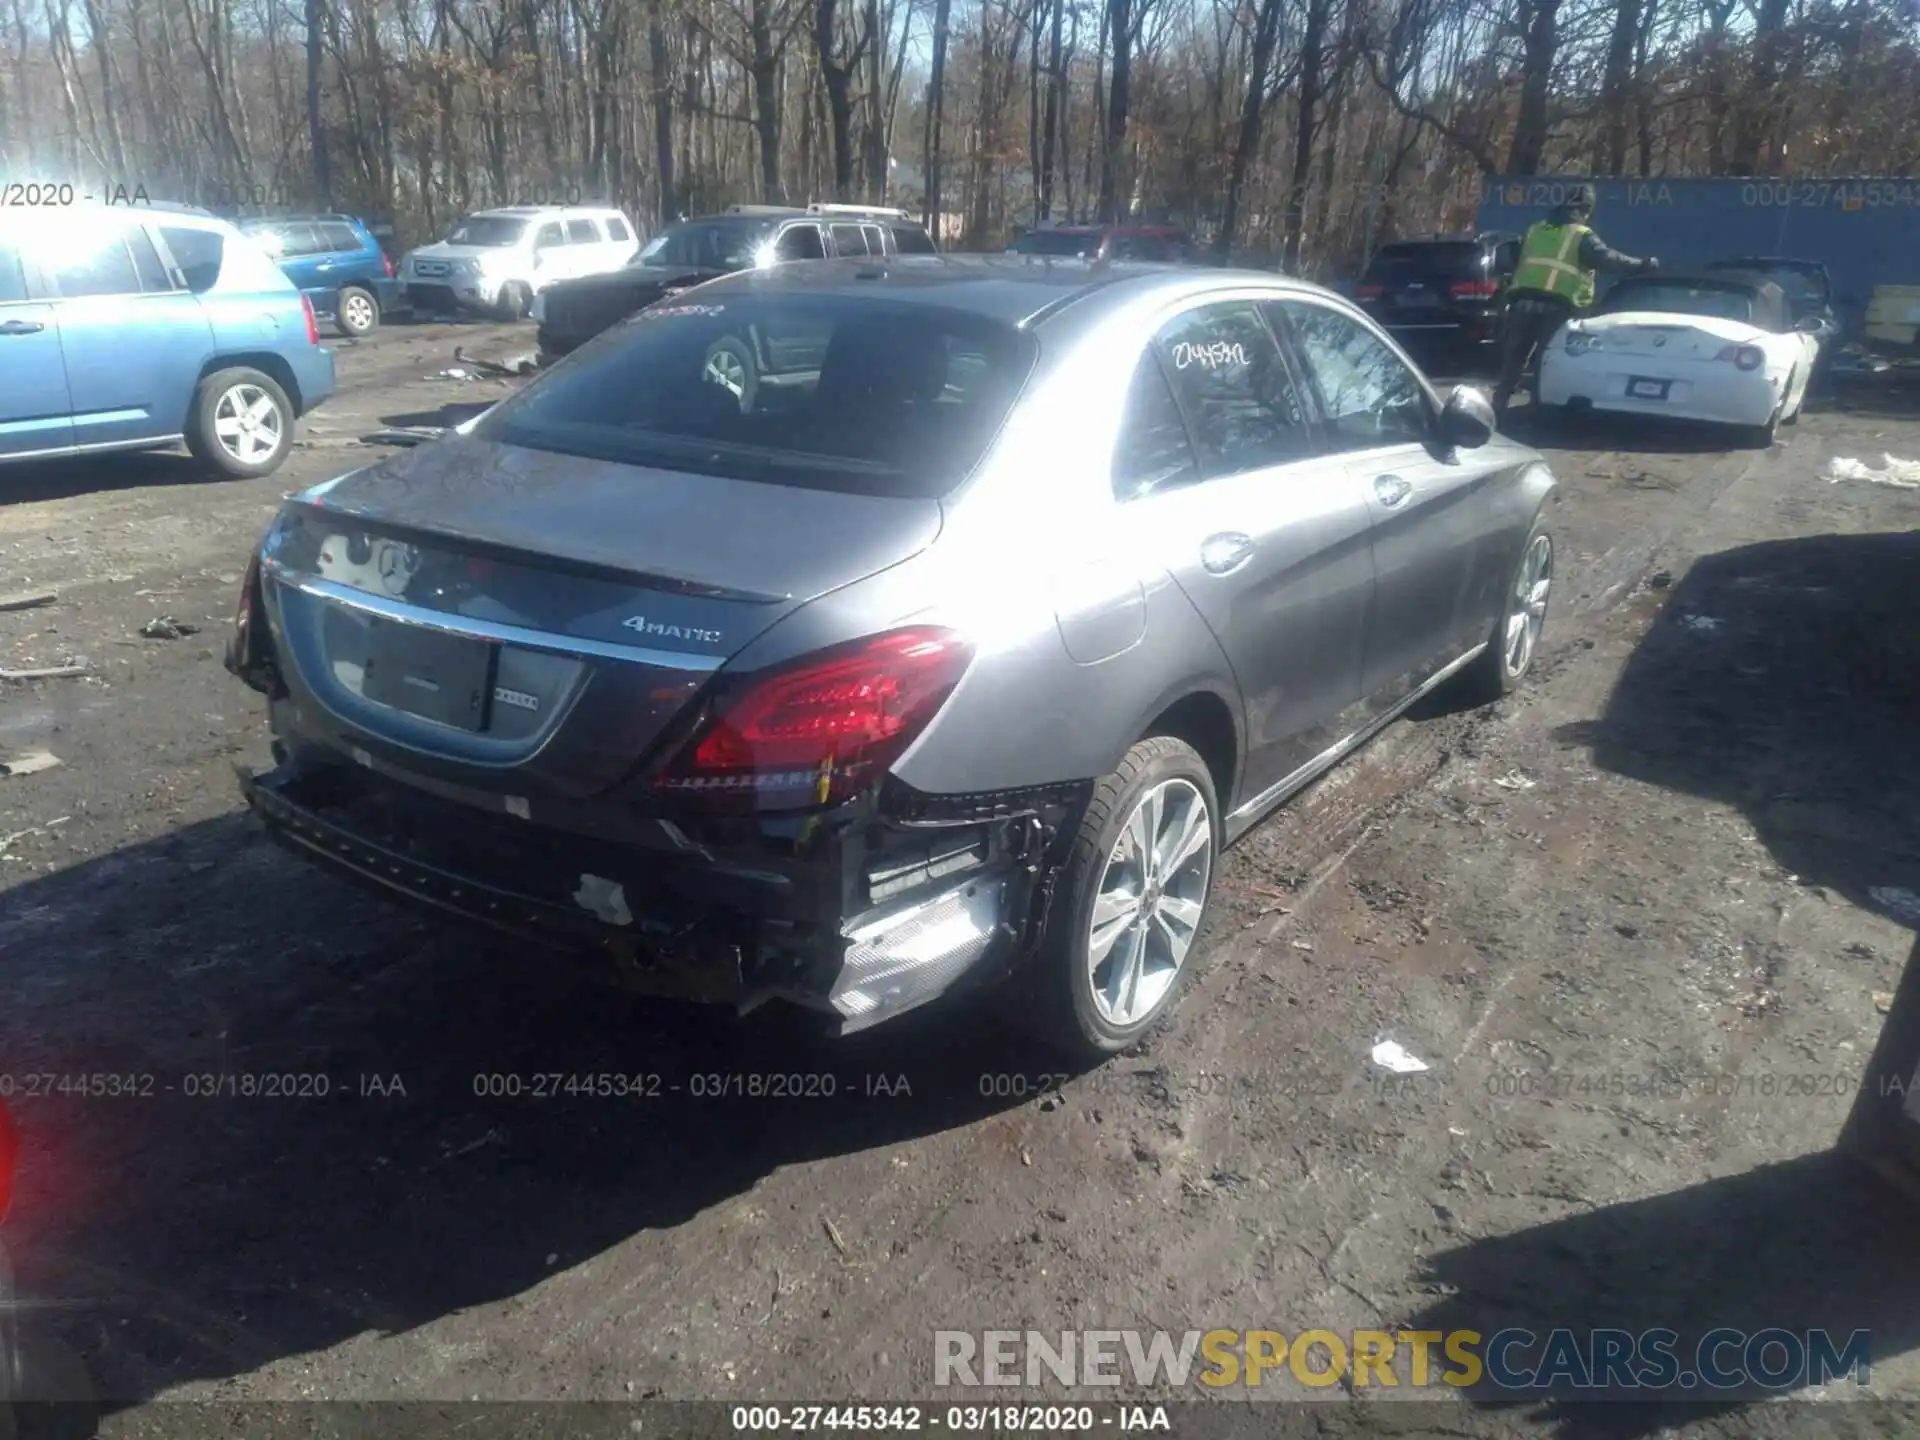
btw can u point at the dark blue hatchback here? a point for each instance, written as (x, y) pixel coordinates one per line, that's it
(337, 264)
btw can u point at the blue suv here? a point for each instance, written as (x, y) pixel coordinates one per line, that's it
(337, 264)
(133, 328)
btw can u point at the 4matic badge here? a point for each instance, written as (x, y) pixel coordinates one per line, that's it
(641, 625)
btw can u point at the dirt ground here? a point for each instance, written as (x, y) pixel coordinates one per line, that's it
(1658, 861)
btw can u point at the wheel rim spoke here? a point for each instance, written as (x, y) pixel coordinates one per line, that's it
(1180, 841)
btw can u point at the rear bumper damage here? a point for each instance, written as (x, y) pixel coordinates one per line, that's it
(858, 916)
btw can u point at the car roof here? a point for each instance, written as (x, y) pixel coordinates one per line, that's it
(1013, 289)
(1764, 262)
(1711, 277)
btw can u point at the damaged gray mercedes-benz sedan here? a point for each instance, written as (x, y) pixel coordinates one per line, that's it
(849, 632)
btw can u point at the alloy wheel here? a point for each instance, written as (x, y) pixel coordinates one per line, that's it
(1147, 907)
(358, 312)
(726, 369)
(1528, 612)
(247, 423)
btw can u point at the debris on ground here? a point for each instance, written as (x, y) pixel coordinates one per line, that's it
(1901, 474)
(1660, 580)
(511, 368)
(1515, 780)
(46, 672)
(27, 599)
(1700, 624)
(168, 628)
(1883, 1000)
(452, 372)
(405, 435)
(1391, 1055)
(7, 841)
(833, 1234)
(1897, 901)
(28, 762)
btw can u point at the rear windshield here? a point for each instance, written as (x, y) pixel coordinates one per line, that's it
(498, 230)
(708, 245)
(1444, 258)
(1056, 242)
(862, 395)
(1802, 284)
(1670, 297)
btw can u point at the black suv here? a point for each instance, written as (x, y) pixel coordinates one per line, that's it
(1441, 291)
(572, 312)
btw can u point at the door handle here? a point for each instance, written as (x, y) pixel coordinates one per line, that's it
(21, 327)
(1390, 490)
(1226, 553)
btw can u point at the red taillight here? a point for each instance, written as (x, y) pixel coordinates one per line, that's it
(386, 263)
(824, 729)
(1475, 289)
(9, 1158)
(1747, 357)
(1371, 292)
(313, 326)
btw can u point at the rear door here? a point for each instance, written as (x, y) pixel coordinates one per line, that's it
(552, 255)
(303, 256)
(132, 343)
(1432, 511)
(1217, 468)
(586, 246)
(346, 259)
(33, 383)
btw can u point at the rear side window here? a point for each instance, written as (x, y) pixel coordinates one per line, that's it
(340, 239)
(197, 253)
(824, 392)
(912, 240)
(146, 262)
(1241, 402)
(299, 239)
(95, 264)
(582, 232)
(1155, 248)
(13, 283)
(617, 229)
(1154, 452)
(848, 240)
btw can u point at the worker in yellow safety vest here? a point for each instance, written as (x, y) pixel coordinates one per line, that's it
(1555, 278)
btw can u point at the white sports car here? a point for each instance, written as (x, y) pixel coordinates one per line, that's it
(1720, 347)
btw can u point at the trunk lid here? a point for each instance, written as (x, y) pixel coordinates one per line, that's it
(1661, 335)
(515, 619)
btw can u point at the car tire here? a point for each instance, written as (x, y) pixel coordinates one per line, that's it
(1792, 417)
(730, 365)
(235, 413)
(356, 312)
(1090, 1004)
(515, 301)
(1499, 669)
(1761, 437)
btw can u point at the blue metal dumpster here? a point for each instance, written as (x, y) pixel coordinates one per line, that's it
(1866, 232)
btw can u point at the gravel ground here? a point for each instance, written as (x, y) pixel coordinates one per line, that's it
(1626, 917)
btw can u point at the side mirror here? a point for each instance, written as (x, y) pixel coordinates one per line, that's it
(1467, 420)
(1811, 325)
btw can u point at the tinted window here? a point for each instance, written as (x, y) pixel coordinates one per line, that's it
(146, 261)
(339, 239)
(13, 284)
(802, 242)
(1239, 399)
(95, 264)
(1368, 394)
(848, 239)
(912, 240)
(876, 239)
(197, 253)
(617, 229)
(1154, 452)
(715, 245)
(582, 232)
(1155, 248)
(1068, 244)
(1443, 258)
(875, 397)
(1677, 297)
(497, 230)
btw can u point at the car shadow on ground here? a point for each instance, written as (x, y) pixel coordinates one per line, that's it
(449, 1163)
(1782, 679)
(77, 475)
(1627, 435)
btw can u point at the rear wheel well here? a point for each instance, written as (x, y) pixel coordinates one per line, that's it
(267, 363)
(1203, 721)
